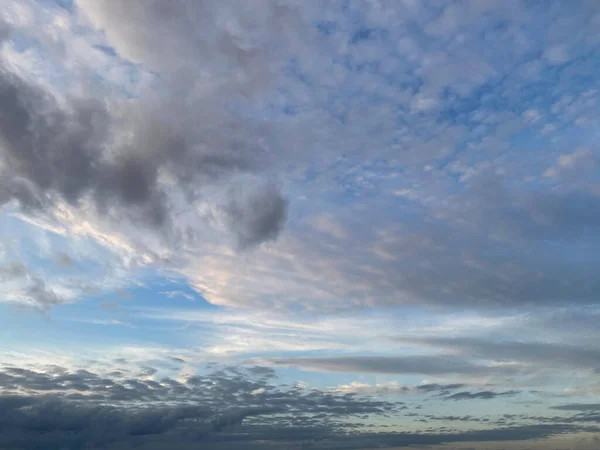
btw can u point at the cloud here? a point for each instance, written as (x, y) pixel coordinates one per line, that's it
(232, 38)
(54, 405)
(184, 154)
(175, 294)
(430, 387)
(319, 161)
(32, 423)
(50, 150)
(391, 388)
(77, 408)
(258, 218)
(326, 223)
(241, 390)
(109, 157)
(557, 54)
(394, 388)
(570, 166)
(63, 260)
(37, 422)
(482, 395)
(537, 354)
(578, 407)
(426, 365)
(22, 287)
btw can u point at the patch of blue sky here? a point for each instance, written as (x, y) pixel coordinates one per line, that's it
(107, 318)
(38, 248)
(74, 331)
(174, 293)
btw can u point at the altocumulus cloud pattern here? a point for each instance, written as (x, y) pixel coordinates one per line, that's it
(287, 224)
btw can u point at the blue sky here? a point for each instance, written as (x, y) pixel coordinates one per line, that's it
(322, 224)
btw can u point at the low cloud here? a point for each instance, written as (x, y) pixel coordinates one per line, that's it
(481, 395)
(426, 365)
(578, 407)
(539, 354)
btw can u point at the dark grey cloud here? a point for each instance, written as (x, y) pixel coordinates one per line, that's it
(578, 407)
(50, 150)
(466, 418)
(478, 240)
(431, 387)
(29, 423)
(73, 409)
(261, 371)
(100, 151)
(545, 354)
(237, 389)
(41, 422)
(428, 365)
(481, 395)
(591, 417)
(259, 217)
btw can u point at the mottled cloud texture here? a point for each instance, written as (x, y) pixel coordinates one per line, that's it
(288, 224)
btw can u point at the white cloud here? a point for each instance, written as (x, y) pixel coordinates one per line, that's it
(557, 54)
(326, 223)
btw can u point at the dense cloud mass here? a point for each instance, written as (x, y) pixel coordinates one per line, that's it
(218, 139)
(79, 409)
(111, 154)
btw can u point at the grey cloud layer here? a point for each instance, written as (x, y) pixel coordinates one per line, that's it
(79, 408)
(233, 405)
(39, 423)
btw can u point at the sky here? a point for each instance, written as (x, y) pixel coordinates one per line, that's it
(287, 224)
